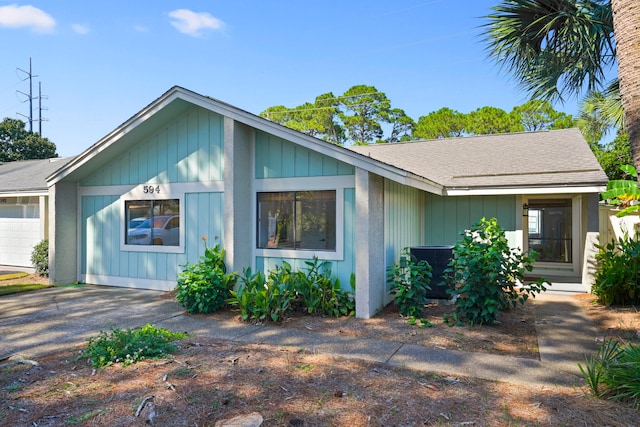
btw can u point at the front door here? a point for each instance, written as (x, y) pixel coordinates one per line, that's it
(552, 230)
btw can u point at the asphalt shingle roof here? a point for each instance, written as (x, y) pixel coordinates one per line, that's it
(28, 175)
(531, 159)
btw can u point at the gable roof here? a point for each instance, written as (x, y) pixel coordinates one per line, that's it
(550, 161)
(177, 100)
(28, 176)
(531, 162)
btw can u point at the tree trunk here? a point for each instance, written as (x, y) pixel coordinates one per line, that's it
(626, 24)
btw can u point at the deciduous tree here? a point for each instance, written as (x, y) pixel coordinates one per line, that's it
(16, 143)
(537, 115)
(364, 108)
(444, 123)
(489, 120)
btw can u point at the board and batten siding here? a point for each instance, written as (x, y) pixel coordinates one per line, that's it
(446, 217)
(101, 235)
(278, 158)
(403, 216)
(187, 149)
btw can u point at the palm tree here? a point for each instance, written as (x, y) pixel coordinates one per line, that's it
(626, 24)
(556, 47)
(600, 112)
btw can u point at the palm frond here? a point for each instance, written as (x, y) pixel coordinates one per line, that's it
(553, 47)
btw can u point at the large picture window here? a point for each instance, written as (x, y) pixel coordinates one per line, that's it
(152, 222)
(297, 220)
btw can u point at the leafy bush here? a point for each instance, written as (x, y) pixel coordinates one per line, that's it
(205, 286)
(617, 279)
(485, 272)
(409, 281)
(261, 298)
(127, 346)
(615, 372)
(317, 293)
(40, 258)
(283, 290)
(245, 296)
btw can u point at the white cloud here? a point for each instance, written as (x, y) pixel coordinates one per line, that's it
(192, 23)
(14, 16)
(80, 29)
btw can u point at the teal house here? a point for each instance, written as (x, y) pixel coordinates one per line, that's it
(137, 205)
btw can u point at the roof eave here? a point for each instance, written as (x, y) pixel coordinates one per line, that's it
(337, 152)
(424, 184)
(26, 192)
(528, 190)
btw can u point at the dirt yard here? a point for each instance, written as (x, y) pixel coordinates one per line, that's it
(211, 380)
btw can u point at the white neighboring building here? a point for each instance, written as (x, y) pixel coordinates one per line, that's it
(23, 207)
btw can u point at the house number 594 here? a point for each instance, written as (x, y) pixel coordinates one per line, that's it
(150, 189)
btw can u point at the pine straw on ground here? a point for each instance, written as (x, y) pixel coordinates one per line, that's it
(212, 380)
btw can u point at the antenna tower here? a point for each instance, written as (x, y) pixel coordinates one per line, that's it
(40, 108)
(30, 76)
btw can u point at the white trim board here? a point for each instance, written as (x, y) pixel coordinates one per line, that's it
(134, 190)
(128, 282)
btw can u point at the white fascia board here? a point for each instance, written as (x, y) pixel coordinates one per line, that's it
(19, 193)
(219, 107)
(525, 190)
(424, 184)
(106, 141)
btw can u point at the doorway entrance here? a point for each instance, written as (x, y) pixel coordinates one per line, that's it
(552, 230)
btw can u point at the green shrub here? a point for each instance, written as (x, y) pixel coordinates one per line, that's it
(130, 346)
(617, 279)
(409, 281)
(283, 290)
(615, 372)
(260, 298)
(317, 293)
(346, 300)
(485, 272)
(40, 258)
(205, 286)
(245, 295)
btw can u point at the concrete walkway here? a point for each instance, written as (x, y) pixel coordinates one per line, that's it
(36, 323)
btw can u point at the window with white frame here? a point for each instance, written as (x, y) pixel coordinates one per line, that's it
(152, 222)
(297, 220)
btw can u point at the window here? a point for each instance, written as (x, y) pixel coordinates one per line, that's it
(152, 222)
(19, 207)
(550, 230)
(297, 220)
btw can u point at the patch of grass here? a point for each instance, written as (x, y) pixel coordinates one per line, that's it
(13, 386)
(304, 367)
(615, 372)
(130, 346)
(82, 418)
(22, 287)
(182, 372)
(12, 276)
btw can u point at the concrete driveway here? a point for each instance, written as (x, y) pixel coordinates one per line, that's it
(36, 323)
(33, 324)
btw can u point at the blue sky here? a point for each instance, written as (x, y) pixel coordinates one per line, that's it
(101, 62)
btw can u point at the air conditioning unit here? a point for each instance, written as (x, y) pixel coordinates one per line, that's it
(438, 258)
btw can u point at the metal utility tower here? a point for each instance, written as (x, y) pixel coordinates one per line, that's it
(40, 108)
(29, 96)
